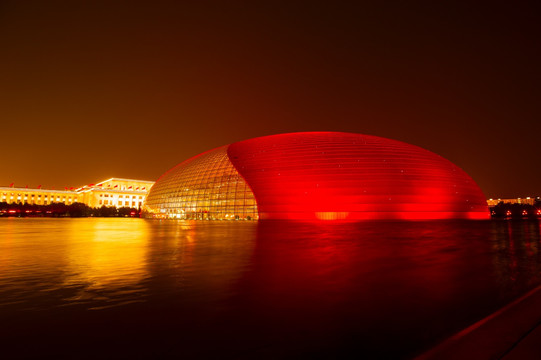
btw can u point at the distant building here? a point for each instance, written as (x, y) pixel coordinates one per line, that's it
(527, 201)
(112, 192)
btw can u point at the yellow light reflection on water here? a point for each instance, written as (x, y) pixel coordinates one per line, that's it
(107, 254)
(59, 262)
(99, 263)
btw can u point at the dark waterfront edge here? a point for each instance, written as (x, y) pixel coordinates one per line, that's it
(63, 210)
(500, 211)
(511, 333)
(516, 211)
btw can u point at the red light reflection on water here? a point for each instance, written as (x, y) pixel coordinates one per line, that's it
(272, 289)
(341, 285)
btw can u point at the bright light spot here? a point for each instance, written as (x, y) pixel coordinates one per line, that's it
(331, 215)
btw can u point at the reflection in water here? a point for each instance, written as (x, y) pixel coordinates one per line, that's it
(193, 261)
(247, 289)
(106, 262)
(517, 260)
(58, 262)
(99, 263)
(363, 286)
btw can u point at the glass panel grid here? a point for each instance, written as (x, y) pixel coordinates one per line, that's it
(207, 187)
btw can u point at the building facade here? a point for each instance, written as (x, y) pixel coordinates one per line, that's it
(114, 192)
(526, 201)
(316, 176)
(13, 195)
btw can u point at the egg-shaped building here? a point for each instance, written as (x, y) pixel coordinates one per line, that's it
(316, 176)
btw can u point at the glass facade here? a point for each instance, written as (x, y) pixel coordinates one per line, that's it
(206, 187)
(317, 176)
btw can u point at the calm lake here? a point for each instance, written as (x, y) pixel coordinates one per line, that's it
(135, 288)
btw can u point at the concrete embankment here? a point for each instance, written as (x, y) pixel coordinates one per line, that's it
(511, 333)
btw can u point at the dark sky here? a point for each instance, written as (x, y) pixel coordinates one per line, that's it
(91, 90)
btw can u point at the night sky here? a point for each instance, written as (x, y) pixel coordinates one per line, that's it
(91, 90)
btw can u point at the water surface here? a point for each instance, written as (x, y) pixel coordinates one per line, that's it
(134, 288)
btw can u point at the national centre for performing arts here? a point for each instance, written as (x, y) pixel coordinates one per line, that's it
(316, 176)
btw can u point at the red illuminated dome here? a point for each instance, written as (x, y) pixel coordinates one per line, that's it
(317, 175)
